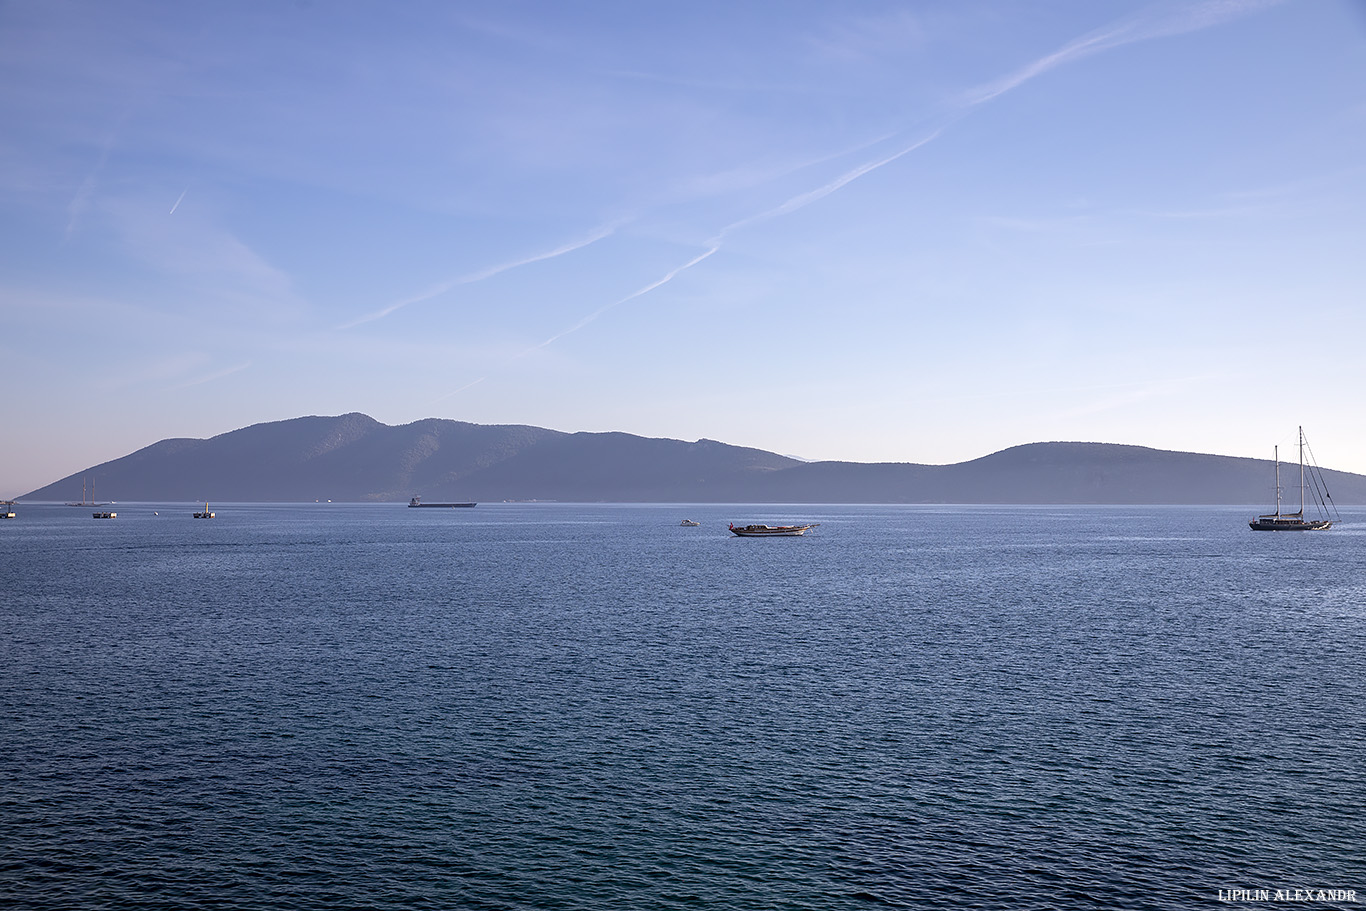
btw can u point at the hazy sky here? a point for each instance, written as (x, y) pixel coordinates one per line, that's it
(873, 231)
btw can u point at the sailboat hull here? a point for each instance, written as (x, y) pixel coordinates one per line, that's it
(1287, 523)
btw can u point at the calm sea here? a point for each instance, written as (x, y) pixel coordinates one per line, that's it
(555, 706)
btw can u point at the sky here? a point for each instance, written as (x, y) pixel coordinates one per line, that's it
(856, 229)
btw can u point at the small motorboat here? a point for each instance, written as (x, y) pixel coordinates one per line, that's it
(689, 523)
(770, 531)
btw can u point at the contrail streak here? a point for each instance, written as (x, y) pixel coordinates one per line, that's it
(227, 371)
(715, 245)
(1189, 19)
(1203, 15)
(632, 296)
(805, 199)
(484, 274)
(594, 315)
(179, 201)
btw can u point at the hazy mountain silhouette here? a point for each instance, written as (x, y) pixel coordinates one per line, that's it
(353, 457)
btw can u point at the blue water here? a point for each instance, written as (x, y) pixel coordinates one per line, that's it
(590, 707)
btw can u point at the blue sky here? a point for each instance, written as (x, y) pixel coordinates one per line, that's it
(855, 230)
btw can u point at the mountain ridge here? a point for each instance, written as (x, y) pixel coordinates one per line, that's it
(353, 457)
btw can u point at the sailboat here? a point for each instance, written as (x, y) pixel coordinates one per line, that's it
(1294, 521)
(90, 502)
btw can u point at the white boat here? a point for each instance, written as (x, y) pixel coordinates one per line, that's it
(689, 523)
(1296, 521)
(6, 509)
(771, 531)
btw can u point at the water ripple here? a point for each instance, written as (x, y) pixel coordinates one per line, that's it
(590, 708)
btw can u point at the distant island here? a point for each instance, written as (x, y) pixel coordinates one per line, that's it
(355, 458)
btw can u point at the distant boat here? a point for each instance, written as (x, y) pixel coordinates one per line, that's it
(84, 501)
(1295, 521)
(104, 515)
(416, 503)
(771, 531)
(6, 509)
(205, 514)
(689, 523)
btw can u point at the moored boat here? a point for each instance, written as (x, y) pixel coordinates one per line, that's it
(1296, 521)
(205, 514)
(416, 503)
(771, 531)
(87, 502)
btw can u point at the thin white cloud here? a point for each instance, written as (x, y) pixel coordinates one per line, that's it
(744, 178)
(76, 209)
(714, 246)
(438, 290)
(1156, 22)
(861, 38)
(1152, 24)
(596, 314)
(805, 199)
(630, 297)
(461, 389)
(217, 375)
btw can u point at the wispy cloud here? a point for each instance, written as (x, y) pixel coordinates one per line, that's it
(76, 209)
(216, 375)
(1110, 397)
(670, 276)
(805, 199)
(1151, 24)
(715, 245)
(866, 37)
(215, 266)
(481, 275)
(749, 176)
(1155, 22)
(665, 279)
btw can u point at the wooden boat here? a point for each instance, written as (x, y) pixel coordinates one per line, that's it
(770, 531)
(416, 503)
(1296, 521)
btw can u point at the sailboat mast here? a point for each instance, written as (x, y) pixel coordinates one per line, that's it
(1301, 471)
(1276, 454)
